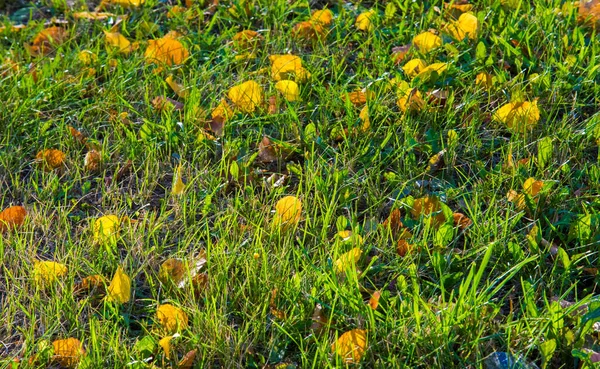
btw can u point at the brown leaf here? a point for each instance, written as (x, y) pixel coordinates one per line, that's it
(403, 247)
(163, 103)
(319, 321)
(217, 125)
(266, 151)
(399, 53)
(461, 220)
(438, 97)
(394, 222)
(188, 360)
(77, 135)
(92, 161)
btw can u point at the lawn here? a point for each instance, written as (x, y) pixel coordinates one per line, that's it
(299, 184)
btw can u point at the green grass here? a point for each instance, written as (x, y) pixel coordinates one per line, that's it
(450, 302)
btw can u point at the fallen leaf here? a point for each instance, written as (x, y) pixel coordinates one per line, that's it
(519, 116)
(289, 90)
(176, 87)
(429, 207)
(364, 117)
(123, 3)
(319, 321)
(266, 151)
(374, 300)
(92, 161)
(431, 71)
(50, 159)
(165, 344)
(414, 67)
(246, 39)
(12, 217)
(347, 260)
(106, 229)
(90, 283)
(173, 271)
(485, 80)
(461, 221)
(45, 41)
(403, 247)
(323, 16)
(118, 43)
(68, 352)
(467, 25)
(359, 97)
(187, 362)
(588, 12)
(119, 290)
(427, 41)
(47, 272)
(178, 185)
(364, 21)
(409, 99)
(436, 162)
(351, 346)
(87, 57)
(166, 50)
(246, 96)
(309, 31)
(394, 222)
(288, 67)
(399, 53)
(288, 212)
(163, 103)
(171, 318)
(93, 15)
(532, 187)
(219, 116)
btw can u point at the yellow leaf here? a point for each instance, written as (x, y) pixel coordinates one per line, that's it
(323, 16)
(93, 15)
(12, 217)
(289, 90)
(165, 343)
(246, 39)
(288, 67)
(119, 289)
(117, 42)
(171, 318)
(246, 96)
(484, 79)
(347, 260)
(166, 50)
(519, 116)
(414, 67)
(48, 272)
(364, 117)
(125, 3)
(178, 185)
(176, 87)
(467, 25)
(532, 186)
(68, 352)
(106, 229)
(349, 236)
(288, 212)
(409, 99)
(50, 159)
(364, 22)
(436, 68)
(351, 345)
(516, 198)
(427, 41)
(87, 57)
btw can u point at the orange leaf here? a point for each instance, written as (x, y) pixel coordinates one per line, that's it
(351, 345)
(44, 41)
(68, 352)
(166, 50)
(374, 300)
(12, 217)
(50, 159)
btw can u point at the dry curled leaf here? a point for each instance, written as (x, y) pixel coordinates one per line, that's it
(172, 271)
(461, 221)
(187, 362)
(267, 151)
(92, 161)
